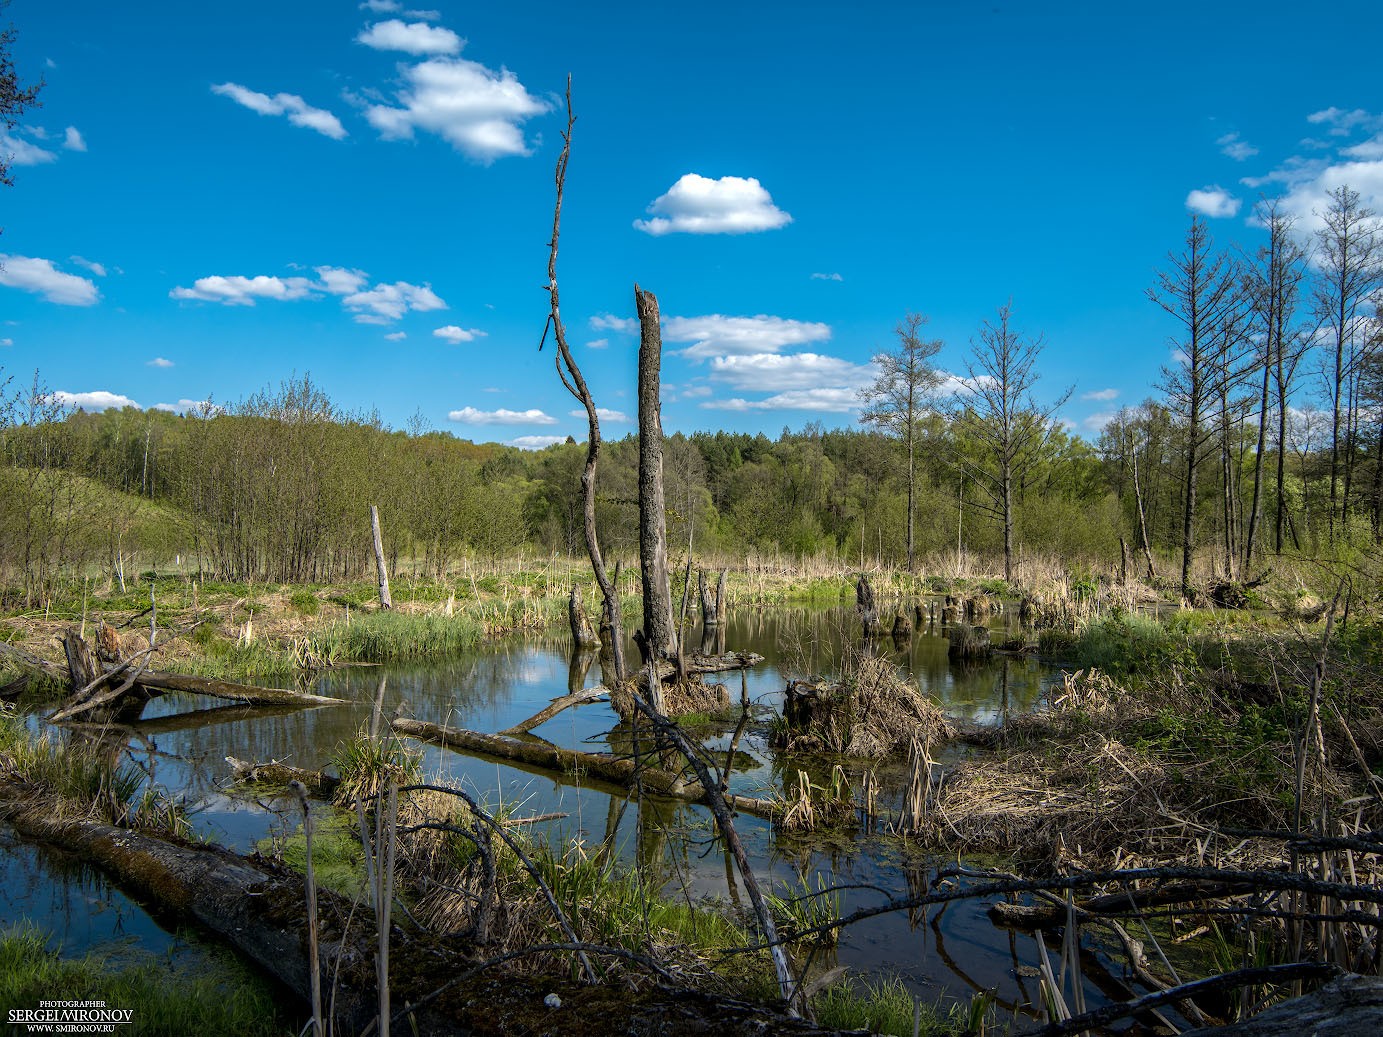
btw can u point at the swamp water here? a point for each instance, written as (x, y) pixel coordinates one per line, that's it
(953, 953)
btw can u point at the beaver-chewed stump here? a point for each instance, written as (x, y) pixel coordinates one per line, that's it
(969, 641)
(871, 712)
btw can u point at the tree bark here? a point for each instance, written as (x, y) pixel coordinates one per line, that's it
(385, 601)
(659, 629)
(582, 636)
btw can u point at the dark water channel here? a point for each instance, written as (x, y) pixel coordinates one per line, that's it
(182, 747)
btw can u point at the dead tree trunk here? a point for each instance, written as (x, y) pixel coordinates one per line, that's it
(575, 383)
(385, 601)
(708, 604)
(865, 606)
(659, 629)
(722, 599)
(582, 636)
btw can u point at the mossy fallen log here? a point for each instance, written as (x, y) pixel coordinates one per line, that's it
(614, 769)
(275, 773)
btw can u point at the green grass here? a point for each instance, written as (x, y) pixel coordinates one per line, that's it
(386, 637)
(70, 773)
(367, 765)
(881, 1006)
(163, 1000)
(338, 861)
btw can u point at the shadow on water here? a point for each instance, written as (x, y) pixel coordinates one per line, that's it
(952, 952)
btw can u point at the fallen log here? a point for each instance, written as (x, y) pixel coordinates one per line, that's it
(699, 662)
(275, 773)
(618, 771)
(558, 704)
(1039, 916)
(157, 681)
(258, 908)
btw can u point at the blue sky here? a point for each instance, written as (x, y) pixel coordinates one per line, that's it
(214, 197)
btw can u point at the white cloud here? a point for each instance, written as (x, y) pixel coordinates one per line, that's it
(695, 392)
(299, 112)
(1366, 150)
(22, 153)
(411, 38)
(455, 335)
(609, 322)
(198, 408)
(473, 416)
(1340, 121)
(340, 280)
(536, 442)
(386, 302)
(831, 401)
(717, 335)
(6, 341)
(243, 291)
(98, 399)
(381, 6)
(774, 372)
(95, 268)
(1213, 201)
(1100, 394)
(41, 277)
(827, 277)
(396, 336)
(1235, 147)
(378, 305)
(159, 361)
(476, 109)
(699, 205)
(598, 343)
(1096, 422)
(615, 417)
(72, 140)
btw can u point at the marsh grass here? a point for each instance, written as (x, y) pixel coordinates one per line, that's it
(367, 765)
(387, 637)
(164, 1000)
(74, 774)
(885, 1007)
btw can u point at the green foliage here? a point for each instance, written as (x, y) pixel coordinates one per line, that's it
(72, 773)
(338, 860)
(384, 637)
(305, 602)
(222, 997)
(1125, 644)
(881, 1006)
(367, 765)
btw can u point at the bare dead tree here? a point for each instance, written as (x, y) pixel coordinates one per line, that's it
(570, 373)
(659, 629)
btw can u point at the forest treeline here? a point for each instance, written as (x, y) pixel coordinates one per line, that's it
(1263, 438)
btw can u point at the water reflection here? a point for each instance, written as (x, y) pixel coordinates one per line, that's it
(182, 745)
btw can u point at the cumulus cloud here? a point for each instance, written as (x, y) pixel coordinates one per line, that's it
(197, 408)
(236, 290)
(475, 109)
(474, 416)
(1235, 147)
(609, 322)
(536, 442)
(96, 268)
(718, 335)
(1096, 422)
(616, 417)
(411, 38)
(41, 277)
(455, 335)
(20, 152)
(598, 343)
(1100, 394)
(159, 361)
(298, 111)
(827, 277)
(72, 140)
(396, 336)
(699, 205)
(97, 399)
(380, 304)
(386, 302)
(831, 401)
(1213, 201)
(1340, 122)
(772, 372)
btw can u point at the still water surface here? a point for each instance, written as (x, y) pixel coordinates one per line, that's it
(182, 747)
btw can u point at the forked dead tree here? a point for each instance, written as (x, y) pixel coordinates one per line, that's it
(570, 374)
